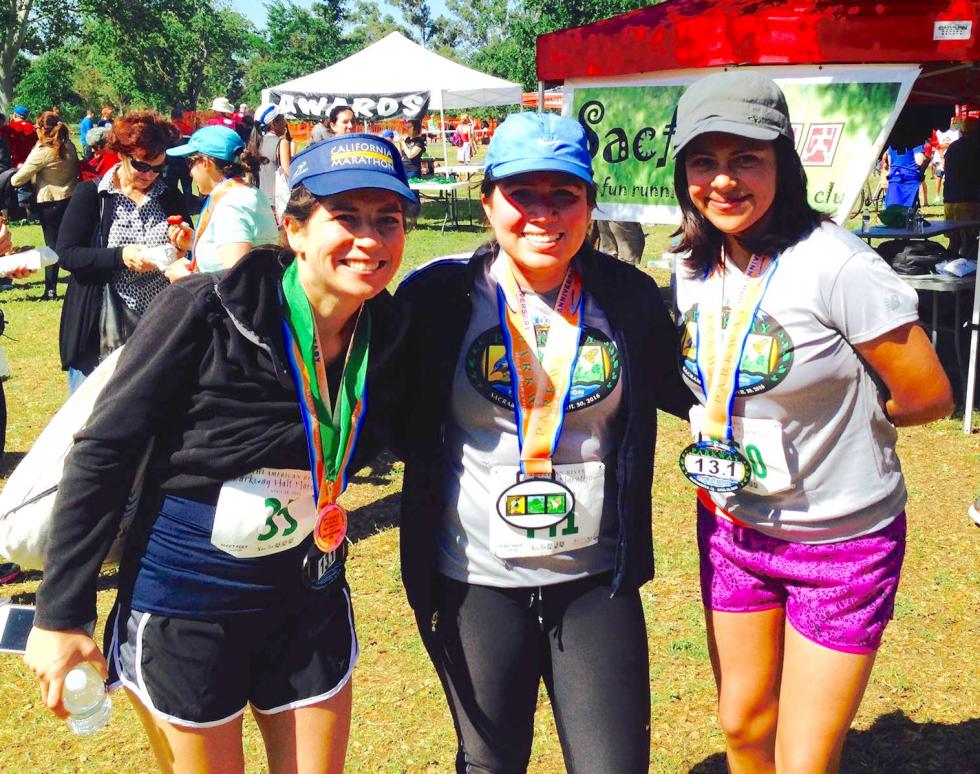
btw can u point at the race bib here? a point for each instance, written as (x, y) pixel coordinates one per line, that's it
(264, 512)
(761, 443)
(568, 530)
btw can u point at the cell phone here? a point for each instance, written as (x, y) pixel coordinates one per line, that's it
(15, 625)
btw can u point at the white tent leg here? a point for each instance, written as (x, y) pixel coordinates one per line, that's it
(445, 150)
(540, 96)
(971, 372)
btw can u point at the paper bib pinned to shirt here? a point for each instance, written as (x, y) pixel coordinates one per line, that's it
(264, 512)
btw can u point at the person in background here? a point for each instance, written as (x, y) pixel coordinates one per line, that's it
(622, 239)
(21, 134)
(6, 162)
(84, 127)
(245, 122)
(545, 363)
(465, 132)
(52, 168)
(235, 377)
(102, 159)
(105, 118)
(412, 147)
(236, 216)
(804, 350)
(271, 138)
(106, 230)
(321, 129)
(340, 120)
(224, 114)
(961, 189)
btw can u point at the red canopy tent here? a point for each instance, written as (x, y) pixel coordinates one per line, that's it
(682, 34)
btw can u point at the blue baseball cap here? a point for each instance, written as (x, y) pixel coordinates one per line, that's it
(538, 142)
(218, 142)
(351, 162)
(21, 111)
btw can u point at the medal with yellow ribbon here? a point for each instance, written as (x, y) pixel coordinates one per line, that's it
(541, 387)
(714, 461)
(331, 430)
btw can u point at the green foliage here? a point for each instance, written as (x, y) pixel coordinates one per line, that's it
(296, 41)
(48, 82)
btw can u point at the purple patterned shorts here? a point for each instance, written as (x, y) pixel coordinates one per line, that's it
(839, 595)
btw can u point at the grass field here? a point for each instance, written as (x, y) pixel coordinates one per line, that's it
(920, 713)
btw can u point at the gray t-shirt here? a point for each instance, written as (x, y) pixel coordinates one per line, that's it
(320, 132)
(828, 292)
(483, 434)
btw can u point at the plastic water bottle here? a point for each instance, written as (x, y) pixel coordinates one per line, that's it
(865, 218)
(86, 700)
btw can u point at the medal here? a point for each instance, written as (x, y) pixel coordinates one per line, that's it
(330, 528)
(322, 568)
(331, 431)
(714, 461)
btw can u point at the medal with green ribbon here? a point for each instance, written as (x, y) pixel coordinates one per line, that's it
(714, 461)
(331, 430)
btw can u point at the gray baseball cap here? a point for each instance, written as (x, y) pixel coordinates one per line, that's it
(737, 102)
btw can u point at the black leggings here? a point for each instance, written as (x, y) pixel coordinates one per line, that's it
(492, 646)
(51, 214)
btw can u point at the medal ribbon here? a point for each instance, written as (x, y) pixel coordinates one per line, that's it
(541, 387)
(207, 211)
(718, 371)
(331, 432)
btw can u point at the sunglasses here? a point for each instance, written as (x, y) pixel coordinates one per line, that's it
(142, 166)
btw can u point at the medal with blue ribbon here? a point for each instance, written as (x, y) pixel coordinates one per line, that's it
(541, 387)
(331, 431)
(714, 461)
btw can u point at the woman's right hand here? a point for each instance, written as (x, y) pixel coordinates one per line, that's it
(53, 654)
(133, 259)
(181, 236)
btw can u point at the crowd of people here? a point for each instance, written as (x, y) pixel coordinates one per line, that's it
(254, 340)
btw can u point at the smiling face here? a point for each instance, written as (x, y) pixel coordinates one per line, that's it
(344, 123)
(351, 245)
(731, 181)
(540, 220)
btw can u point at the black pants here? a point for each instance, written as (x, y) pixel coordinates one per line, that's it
(491, 647)
(51, 215)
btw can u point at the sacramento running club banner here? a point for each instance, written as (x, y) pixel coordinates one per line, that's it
(371, 107)
(841, 117)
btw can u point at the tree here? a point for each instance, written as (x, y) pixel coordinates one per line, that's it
(479, 23)
(296, 41)
(370, 24)
(48, 82)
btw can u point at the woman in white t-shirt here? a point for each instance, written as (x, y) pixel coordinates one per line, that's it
(790, 324)
(236, 216)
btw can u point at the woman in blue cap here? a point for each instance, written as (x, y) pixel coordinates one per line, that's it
(804, 350)
(251, 385)
(525, 531)
(236, 216)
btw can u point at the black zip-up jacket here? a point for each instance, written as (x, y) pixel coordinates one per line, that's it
(439, 298)
(82, 251)
(206, 375)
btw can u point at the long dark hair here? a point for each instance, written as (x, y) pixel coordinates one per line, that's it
(788, 220)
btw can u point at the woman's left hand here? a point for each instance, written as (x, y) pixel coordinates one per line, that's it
(178, 270)
(181, 236)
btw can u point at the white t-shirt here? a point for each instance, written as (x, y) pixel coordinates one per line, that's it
(828, 292)
(242, 214)
(482, 434)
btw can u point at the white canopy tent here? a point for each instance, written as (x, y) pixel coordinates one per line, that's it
(397, 64)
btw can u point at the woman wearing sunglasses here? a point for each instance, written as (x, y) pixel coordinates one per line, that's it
(107, 229)
(232, 591)
(236, 216)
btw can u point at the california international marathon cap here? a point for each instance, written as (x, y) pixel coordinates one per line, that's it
(350, 162)
(538, 142)
(736, 102)
(218, 142)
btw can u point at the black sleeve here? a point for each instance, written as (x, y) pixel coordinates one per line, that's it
(673, 396)
(78, 230)
(160, 360)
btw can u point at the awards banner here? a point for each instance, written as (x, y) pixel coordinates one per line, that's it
(841, 117)
(369, 107)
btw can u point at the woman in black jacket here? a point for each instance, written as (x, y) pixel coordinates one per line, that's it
(105, 233)
(253, 385)
(537, 368)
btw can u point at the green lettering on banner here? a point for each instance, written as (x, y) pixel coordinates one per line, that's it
(630, 131)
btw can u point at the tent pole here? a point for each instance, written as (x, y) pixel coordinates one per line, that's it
(540, 96)
(442, 123)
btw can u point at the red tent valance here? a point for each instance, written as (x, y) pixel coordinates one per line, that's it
(681, 34)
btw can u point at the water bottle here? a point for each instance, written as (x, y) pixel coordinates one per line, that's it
(86, 700)
(865, 218)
